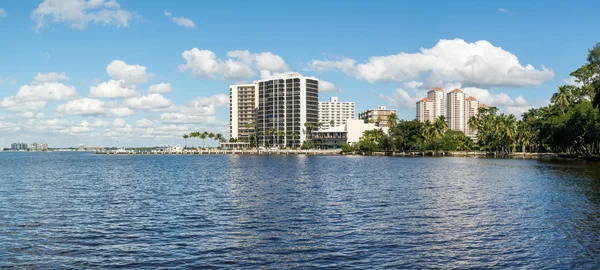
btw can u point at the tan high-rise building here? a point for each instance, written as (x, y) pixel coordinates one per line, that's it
(436, 95)
(243, 100)
(455, 104)
(471, 109)
(425, 110)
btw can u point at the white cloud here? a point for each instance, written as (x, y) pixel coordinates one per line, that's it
(113, 89)
(130, 74)
(119, 112)
(161, 88)
(572, 81)
(144, 123)
(400, 99)
(119, 122)
(181, 118)
(50, 77)
(79, 13)
(478, 64)
(3, 13)
(506, 11)
(168, 14)
(36, 95)
(83, 106)
(149, 102)
(325, 86)
(185, 22)
(240, 65)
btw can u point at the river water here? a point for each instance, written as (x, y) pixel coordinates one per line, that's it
(79, 210)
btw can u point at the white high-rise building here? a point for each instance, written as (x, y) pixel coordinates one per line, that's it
(455, 104)
(436, 95)
(286, 104)
(243, 99)
(338, 112)
(471, 109)
(425, 110)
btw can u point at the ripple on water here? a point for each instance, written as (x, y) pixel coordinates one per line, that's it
(77, 210)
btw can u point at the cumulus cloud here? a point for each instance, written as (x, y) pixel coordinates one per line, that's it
(325, 86)
(113, 89)
(149, 102)
(36, 95)
(79, 13)
(93, 107)
(239, 65)
(50, 77)
(119, 122)
(477, 64)
(185, 22)
(161, 88)
(181, 21)
(130, 74)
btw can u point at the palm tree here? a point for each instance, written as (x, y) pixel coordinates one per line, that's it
(309, 127)
(195, 134)
(185, 137)
(294, 135)
(203, 137)
(320, 125)
(219, 138)
(331, 123)
(280, 134)
(439, 127)
(378, 120)
(562, 98)
(428, 132)
(211, 135)
(392, 120)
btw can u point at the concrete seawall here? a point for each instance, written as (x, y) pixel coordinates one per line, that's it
(225, 152)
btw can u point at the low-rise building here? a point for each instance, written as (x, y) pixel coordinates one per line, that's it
(378, 116)
(351, 132)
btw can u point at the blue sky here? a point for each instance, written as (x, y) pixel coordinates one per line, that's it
(82, 38)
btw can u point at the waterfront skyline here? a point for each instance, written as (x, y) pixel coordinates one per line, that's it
(145, 73)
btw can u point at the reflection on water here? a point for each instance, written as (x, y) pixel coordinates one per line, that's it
(88, 211)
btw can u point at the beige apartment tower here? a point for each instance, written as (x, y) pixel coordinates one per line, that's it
(471, 109)
(425, 110)
(243, 99)
(455, 104)
(436, 95)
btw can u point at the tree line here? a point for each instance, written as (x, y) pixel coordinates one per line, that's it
(203, 136)
(569, 124)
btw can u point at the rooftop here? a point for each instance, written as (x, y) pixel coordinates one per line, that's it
(436, 89)
(425, 99)
(483, 105)
(456, 90)
(470, 98)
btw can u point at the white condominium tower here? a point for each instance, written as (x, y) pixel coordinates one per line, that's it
(455, 104)
(436, 95)
(471, 109)
(285, 104)
(425, 110)
(338, 112)
(243, 99)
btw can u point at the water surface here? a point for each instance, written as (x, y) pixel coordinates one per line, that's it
(61, 210)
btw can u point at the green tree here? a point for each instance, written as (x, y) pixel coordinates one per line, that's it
(331, 123)
(203, 138)
(185, 137)
(392, 120)
(563, 97)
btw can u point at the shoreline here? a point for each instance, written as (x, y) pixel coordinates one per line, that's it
(470, 154)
